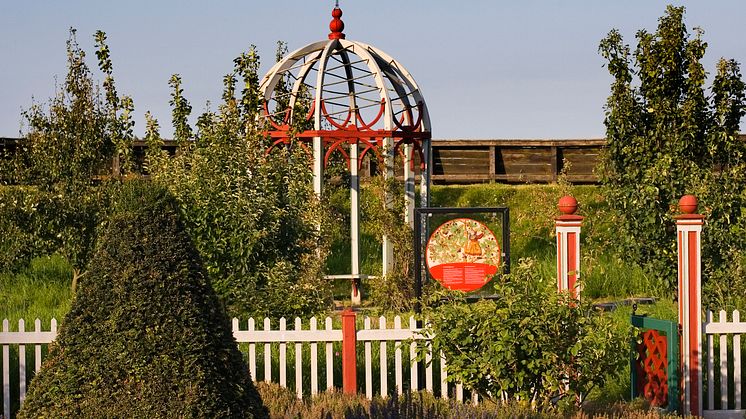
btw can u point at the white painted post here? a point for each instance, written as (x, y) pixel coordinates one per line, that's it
(318, 164)
(267, 355)
(710, 369)
(6, 374)
(723, 318)
(429, 368)
(329, 358)
(397, 358)
(388, 163)
(413, 375)
(355, 224)
(252, 353)
(689, 230)
(37, 347)
(737, 361)
(408, 186)
(314, 361)
(443, 377)
(368, 363)
(283, 356)
(22, 363)
(382, 360)
(299, 361)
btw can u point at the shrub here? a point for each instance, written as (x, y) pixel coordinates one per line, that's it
(533, 344)
(146, 336)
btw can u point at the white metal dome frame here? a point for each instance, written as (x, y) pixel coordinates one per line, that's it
(361, 102)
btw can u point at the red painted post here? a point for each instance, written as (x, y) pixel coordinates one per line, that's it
(349, 356)
(688, 234)
(567, 229)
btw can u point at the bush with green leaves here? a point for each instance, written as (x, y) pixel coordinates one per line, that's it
(532, 344)
(668, 136)
(146, 335)
(252, 215)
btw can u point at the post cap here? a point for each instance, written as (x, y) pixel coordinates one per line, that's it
(336, 26)
(688, 204)
(567, 205)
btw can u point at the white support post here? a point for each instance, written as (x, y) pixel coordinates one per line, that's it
(387, 247)
(318, 165)
(688, 234)
(355, 224)
(408, 186)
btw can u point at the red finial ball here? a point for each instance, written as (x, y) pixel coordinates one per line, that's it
(336, 25)
(688, 204)
(567, 205)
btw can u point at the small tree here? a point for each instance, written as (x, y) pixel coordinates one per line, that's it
(668, 137)
(61, 164)
(252, 215)
(146, 335)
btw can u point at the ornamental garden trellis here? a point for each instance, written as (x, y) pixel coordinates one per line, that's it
(358, 102)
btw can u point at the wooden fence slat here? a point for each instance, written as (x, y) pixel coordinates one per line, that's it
(37, 347)
(22, 364)
(299, 361)
(737, 379)
(429, 368)
(267, 355)
(397, 358)
(368, 363)
(413, 376)
(283, 356)
(459, 392)
(383, 360)
(710, 367)
(6, 373)
(329, 358)
(252, 353)
(314, 360)
(723, 363)
(443, 377)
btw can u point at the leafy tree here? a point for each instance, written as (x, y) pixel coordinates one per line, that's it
(62, 163)
(146, 335)
(668, 137)
(532, 345)
(252, 215)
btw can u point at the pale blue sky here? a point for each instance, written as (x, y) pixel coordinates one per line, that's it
(488, 69)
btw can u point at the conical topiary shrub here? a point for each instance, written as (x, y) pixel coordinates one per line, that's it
(146, 336)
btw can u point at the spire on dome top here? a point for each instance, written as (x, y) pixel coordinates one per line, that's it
(336, 25)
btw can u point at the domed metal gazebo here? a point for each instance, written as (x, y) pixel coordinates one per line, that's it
(362, 103)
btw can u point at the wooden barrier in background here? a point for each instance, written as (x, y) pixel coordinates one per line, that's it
(465, 161)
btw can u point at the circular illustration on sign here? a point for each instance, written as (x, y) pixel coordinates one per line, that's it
(462, 254)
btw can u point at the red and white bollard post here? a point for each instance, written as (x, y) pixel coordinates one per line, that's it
(567, 229)
(688, 234)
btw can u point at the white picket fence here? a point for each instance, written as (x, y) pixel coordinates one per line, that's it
(728, 335)
(301, 337)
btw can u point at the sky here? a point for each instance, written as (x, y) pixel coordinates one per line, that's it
(487, 68)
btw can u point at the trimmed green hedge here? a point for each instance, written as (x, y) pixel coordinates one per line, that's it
(146, 335)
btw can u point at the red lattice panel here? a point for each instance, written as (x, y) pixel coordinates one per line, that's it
(652, 377)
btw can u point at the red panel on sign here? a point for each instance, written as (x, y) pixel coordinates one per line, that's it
(463, 254)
